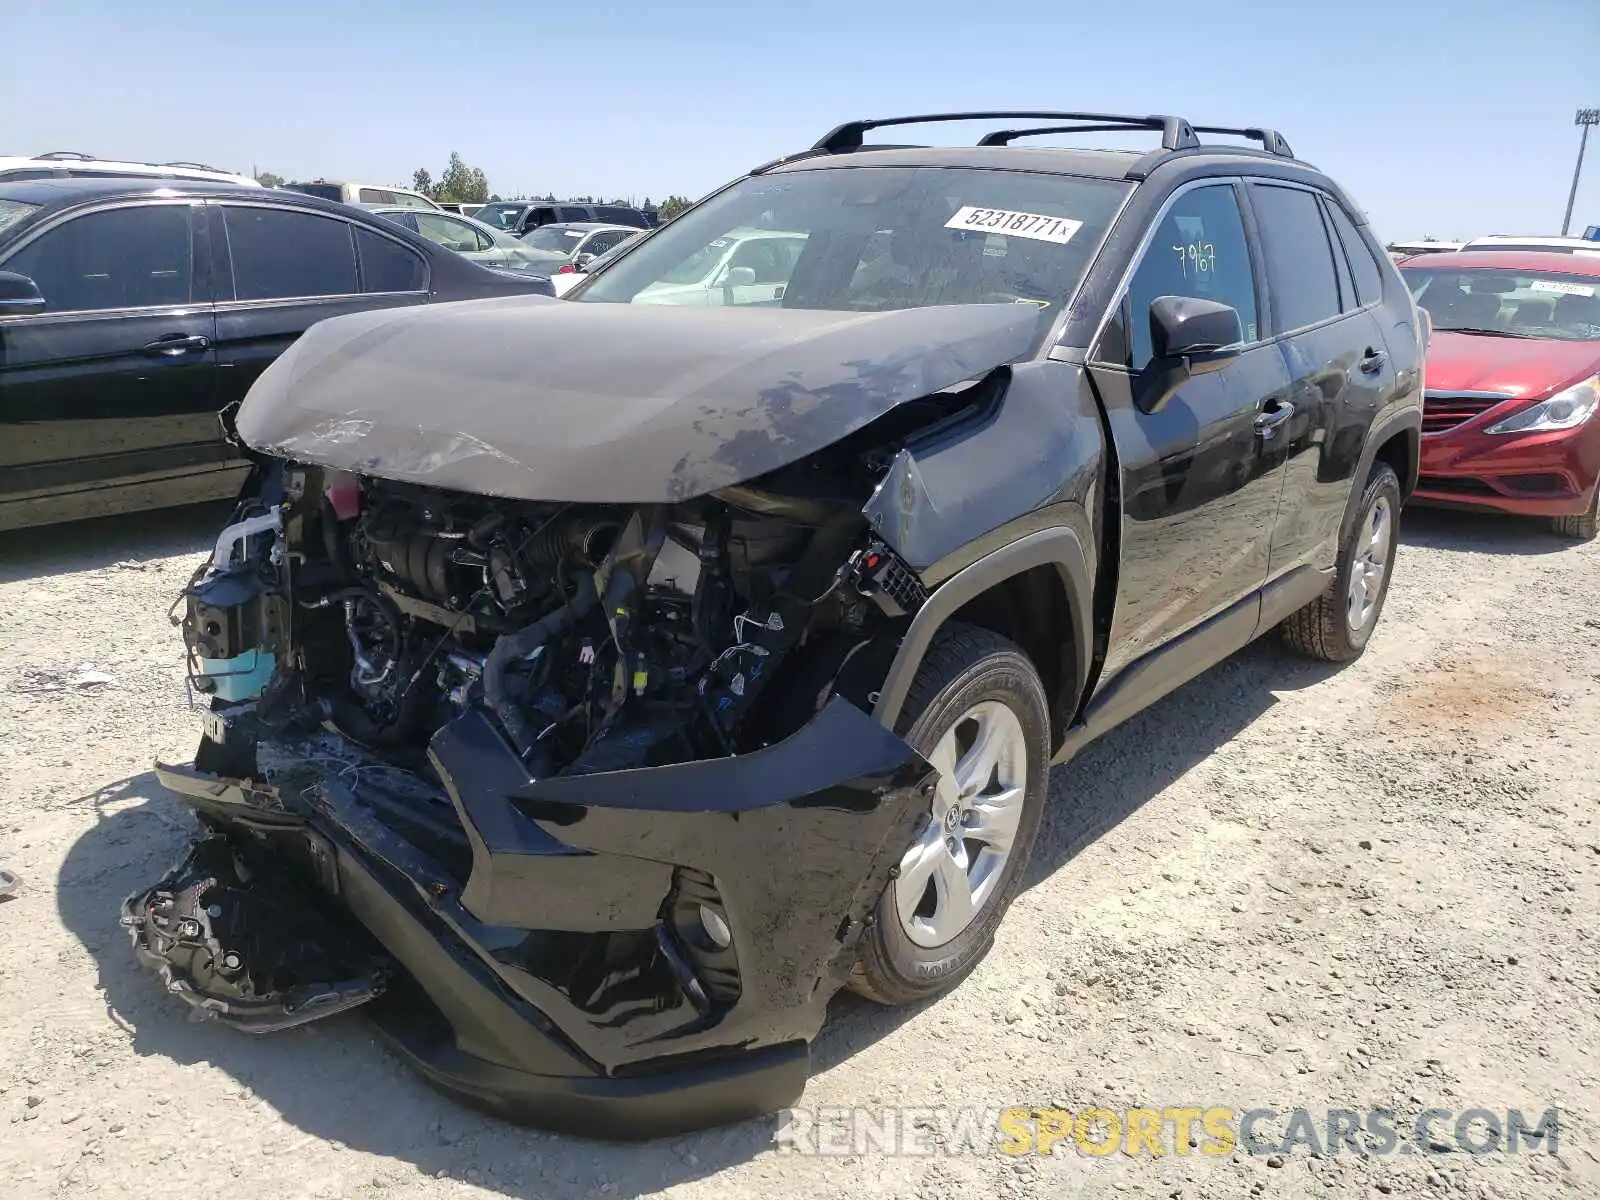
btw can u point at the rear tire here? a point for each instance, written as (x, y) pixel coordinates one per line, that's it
(1336, 625)
(976, 697)
(1583, 526)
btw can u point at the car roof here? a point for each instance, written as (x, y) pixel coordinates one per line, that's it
(82, 188)
(1105, 164)
(1500, 239)
(1513, 260)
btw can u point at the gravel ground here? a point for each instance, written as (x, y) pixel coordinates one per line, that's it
(1285, 886)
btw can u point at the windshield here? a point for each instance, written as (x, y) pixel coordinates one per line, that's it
(871, 239)
(501, 216)
(325, 191)
(1507, 303)
(12, 211)
(554, 237)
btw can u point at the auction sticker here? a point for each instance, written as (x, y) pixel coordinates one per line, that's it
(1561, 288)
(1015, 224)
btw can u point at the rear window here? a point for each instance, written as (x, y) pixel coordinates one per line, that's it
(1503, 303)
(327, 191)
(500, 216)
(555, 237)
(378, 196)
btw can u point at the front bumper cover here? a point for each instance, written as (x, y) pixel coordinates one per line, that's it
(552, 966)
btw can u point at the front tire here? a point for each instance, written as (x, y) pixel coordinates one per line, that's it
(1336, 625)
(1583, 526)
(978, 712)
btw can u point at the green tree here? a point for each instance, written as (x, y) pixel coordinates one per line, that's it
(461, 183)
(268, 179)
(672, 206)
(422, 181)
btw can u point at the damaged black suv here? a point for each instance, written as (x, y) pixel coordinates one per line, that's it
(597, 685)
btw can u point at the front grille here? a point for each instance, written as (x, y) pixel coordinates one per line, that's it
(1446, 410)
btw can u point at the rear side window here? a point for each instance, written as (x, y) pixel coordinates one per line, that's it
(574, 214)
(387, 266)
(1300, 273)
(1369, 277)
(619, 215)
(1199, 249)
(279, 254)
(379, 196)
(136, 257)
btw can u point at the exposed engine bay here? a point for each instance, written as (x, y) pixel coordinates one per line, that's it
(599, 638)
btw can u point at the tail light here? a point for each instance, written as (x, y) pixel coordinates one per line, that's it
(566, 269)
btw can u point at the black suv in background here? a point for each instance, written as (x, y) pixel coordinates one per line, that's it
(132, 311)
(524, 216)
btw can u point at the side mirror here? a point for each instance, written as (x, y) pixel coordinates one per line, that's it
(738, 277)
(1184, 326)
(582, 261)
(1188, 336)
(19, 294)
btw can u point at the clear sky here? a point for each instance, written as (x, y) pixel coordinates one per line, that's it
(1443, 119)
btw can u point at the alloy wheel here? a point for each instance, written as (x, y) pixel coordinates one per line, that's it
(953, 868)
(1370, 565)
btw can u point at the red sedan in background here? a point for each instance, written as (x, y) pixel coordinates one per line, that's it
(1513, 381)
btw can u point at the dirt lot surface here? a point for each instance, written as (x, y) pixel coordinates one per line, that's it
(1283, 887)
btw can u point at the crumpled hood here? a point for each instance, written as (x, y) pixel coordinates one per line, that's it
(1523, 367)
(540, 399)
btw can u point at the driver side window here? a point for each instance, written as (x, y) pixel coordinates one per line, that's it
(1199, 249)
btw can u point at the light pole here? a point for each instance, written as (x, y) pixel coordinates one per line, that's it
(1586, 117)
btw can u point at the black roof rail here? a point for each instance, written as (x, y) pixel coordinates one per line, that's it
(1004, 137)
(1176, 133)
(59, 155)
(1271, 140)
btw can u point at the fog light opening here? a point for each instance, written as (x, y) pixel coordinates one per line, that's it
(716, 927)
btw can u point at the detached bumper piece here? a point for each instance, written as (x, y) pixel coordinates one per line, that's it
(248, 954)
(625, 954)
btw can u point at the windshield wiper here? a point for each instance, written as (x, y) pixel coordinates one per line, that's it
(1481, 332)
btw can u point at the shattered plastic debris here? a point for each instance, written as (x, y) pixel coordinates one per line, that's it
(89, 675)
(9, 884)
(84, 675)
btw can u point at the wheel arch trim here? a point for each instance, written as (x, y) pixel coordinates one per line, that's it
(1059, 547)
(1407, 421)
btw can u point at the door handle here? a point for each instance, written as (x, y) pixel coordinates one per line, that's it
(174, 344)
(1373, 362)
(1273, 415)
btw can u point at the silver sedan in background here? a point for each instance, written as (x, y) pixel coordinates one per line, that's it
(470, 239)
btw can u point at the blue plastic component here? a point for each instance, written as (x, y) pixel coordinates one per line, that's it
(241, 677)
